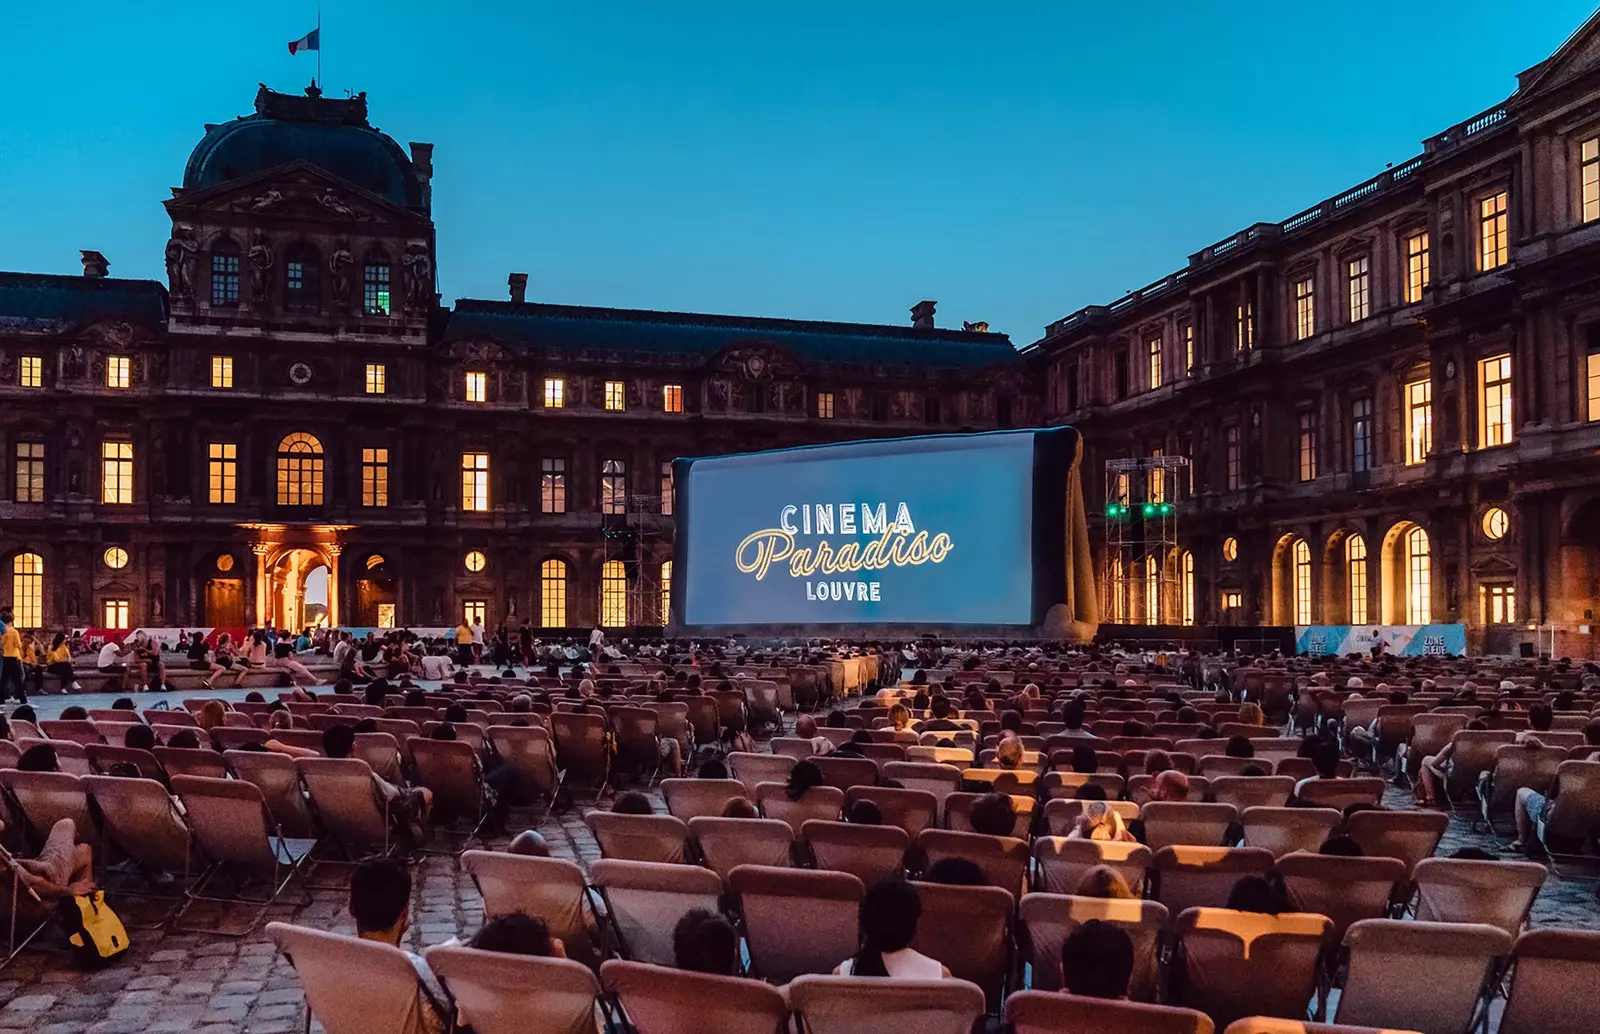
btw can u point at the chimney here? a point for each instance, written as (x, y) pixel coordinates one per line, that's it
(94, 264)
(422, 164)
(980, 327)
(922, 315)
(519, 287)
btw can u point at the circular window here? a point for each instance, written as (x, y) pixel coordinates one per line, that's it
(375, 560)
(300, 374)
(225, 562)
(476, 561)
(1230, 549)
(116, 558)
(1496, 522)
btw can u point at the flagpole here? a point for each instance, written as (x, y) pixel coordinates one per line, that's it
(320, 83)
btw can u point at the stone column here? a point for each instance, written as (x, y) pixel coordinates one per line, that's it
(262, 586)
(333, 584)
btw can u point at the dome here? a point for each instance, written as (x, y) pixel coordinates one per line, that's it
(332, 135)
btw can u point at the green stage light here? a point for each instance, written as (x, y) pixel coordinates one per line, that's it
(1149, 510)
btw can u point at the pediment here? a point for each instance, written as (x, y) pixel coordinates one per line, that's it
(1494, 566)
(756, 360)
(299, 192)
(1578, 56)
(112, 334)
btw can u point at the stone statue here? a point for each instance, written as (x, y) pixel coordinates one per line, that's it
(260, 258)
(182, 250)
(419, 278)
(73, 600)
(339, 263)
(335, 204)
(155, 601)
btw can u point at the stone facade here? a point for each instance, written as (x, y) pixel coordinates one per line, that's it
(1420, 353)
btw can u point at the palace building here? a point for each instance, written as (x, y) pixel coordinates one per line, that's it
(296, 397)
(1390, 401)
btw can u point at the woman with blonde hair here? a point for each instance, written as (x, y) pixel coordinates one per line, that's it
(1250, 714)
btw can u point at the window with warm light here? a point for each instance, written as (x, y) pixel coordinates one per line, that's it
(1305, 309)
(1230, 445)
(1186, 560)
(672, 398)
(119, 371)
(475, 561)
(1419, 421)
(222, 473)
(1358, 283)
(1360, 435)
(1302, 582)
(116, 473)
(1152, 352)
(475, 612)
(1355, 561)
(616, 396)
(1119, 592)
(1499, 603)
(613, 594)
(377, 382)
(300, 467)
(27, 590)
(1418, 272)
(553, 594)
(1494, 401)
(1493, 240)
(1308, 446)
(1156, 483)
(374, 477)
(552, 485)
(555, 393)
(825, 405)
(1496, 522)
(1152, 592)
(114, 614)
(613, 487)
(222, 371)
(1591, 378)
(1589, 179)
(477, 386)
(1188, 350)
(475, 481)
(115, 558)
(29, 473)
(1232, 601)
(666, 488)
(1230, 549)
(666, 591)
(30, 372)
(1244, 327)
(1419, 578)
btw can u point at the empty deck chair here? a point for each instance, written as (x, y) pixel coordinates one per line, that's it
(726, 844)
(869, 853)
(773, 903)
(1246, 792)
(1339, 794)
(234, 832)
(1171, 823)
(45, 798)
(192, 761)
(1045, 1012)
(1424, 976)
(1282, 830)
(1550, 966)
(1453, 890)
(751, 769)
(639, 838)
(279, 782)
(1409, 836)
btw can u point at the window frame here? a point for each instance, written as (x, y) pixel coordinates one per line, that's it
(377, 286)
(475, 386)
(1495, 401)
(27, 589)
(116, 472)
(376, 379)
(613, 594)
(553, 484)
(1361, 427)
(555, 393)
(375, 476)
(1494, 225)
(825, 405)
(30, 371)
(552, 593)
(222, 372)
(615, 396)
(1307, 445)
(1589, 180)
(32, 465)
(300, 473)
(672, 398)
(1304, 290)
(1358, 284)
(613, 486)
(1233, 458)
(668, 485)
(1418, 266)
(1419, 433)
(1153, 349)
(119, 372)
(222, 473)
(1355, 561)
(474, 482)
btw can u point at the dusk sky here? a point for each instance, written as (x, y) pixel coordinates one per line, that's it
(1014, 161)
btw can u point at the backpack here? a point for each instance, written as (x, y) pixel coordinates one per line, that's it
(95, 933)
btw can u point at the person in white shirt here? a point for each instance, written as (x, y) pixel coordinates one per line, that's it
(437, 666)
(889, 913)
(477, 640)
(114, 660)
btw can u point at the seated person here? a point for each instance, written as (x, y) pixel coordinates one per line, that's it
(530, 843)
(380, 903)
(632, 802)
(862, 812)
(1104, 882)
(405, 805)
(64, 866)
(1097, 961)
(518, 934)
(705, 942)
(889, 913)
(1263, 894)
(994, 815)
(740, 808)
(1008, 753)
(1324, 754)
(955, 871)
(1099, 821)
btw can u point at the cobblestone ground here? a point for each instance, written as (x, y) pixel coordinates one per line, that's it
(213, 984)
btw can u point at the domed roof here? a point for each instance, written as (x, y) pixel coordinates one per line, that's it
(331, 134)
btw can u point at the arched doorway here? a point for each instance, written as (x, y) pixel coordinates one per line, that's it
(376, 601)
(298, 589)
(224, 603)
(1407, 584)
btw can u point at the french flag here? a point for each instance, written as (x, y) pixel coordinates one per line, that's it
(307, 42)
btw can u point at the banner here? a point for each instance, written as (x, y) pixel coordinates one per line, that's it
(1398, 640)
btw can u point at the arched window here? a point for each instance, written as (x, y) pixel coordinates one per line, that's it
(1419, 578)
(224, 274)
(375, 285)
(553, 594)
(27, 590)
(613, 594)
(1119, 592)
(299, 471)
(1186, 599)
(666, 591)
(1355, 561)
(1152, 591)
(301, 284)
(1302, 582)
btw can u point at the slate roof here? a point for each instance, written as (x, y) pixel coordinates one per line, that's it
(48, 301)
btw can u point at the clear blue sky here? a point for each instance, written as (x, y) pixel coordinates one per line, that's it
(1014, 161)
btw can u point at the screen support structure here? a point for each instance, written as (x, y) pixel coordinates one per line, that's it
(1146, 576)
(636, 539)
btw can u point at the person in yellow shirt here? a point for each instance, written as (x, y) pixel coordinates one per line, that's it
(11, 658)
(58, 662)
(464, 644)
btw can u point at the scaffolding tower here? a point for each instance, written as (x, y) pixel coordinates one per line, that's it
(633, 538)
(1143, 580)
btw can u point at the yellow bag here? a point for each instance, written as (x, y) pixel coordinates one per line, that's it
(95, 933)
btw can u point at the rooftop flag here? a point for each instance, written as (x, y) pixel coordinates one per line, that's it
(309, 41)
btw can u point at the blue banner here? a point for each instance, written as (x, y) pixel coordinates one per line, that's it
(1398, 640)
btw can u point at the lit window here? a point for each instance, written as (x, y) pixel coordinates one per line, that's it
(613, 486)
(672, 398)
(553, 594)
(1589, 179)
(555, 393)
(27, 590)
(1305, 309)
(1361, 435)
(1359, 282)
(386, 615)
(825, 405)
(616, 396)
(115, 558)
(115, 614)
(475, 612)
(30, 374)
(1494, 401)
(1499, 604)
(1355, 559)
(222, 472)
(1188, 350)
(666, 591)
(1302, 582)
(119, 371)
(225, 562)
(1122, 489)
(30, 472)
(1417, 271)
(1119, 592)
(1152, 592)
(1157, 481)
(299, 471)
(1591, 378)
(1187, 601)
(1496, 522)
(1152, 351)
(613, 594)
(1419, 421)
(1244, 327)
(1308, 447)
(1419, 578)
(1230, 549)
(375, 287)
(222, 371)
(553, 485)
(1232, 601)
(374, 477)
(377, 379)
(475, 481)
(477, 386)
(666, 488)
(475, 561)
(1492, 236)
(225, 276)
(116, 473)
(1230, 441)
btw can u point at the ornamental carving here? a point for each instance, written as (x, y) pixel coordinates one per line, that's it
(182, 250)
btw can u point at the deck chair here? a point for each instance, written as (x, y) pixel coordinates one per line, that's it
(1516, 766)
(844, 773)
(24, 915)
(1453, 890)
(1572, 821)
(1171, 823)
(1004, 860)
(9, 754)
(227, 739)
(279, 782)
(1270, 1025)
(1217, 766)
(1409, 836)
(450, 768)
(958, 813)
(911, 810)
(1049, 919)
(969, 930)
(1061, 815)
(1060, 863)
(381, 752)
(796, 921)
(1045, 1012)
(658, 1000)
(102, 756)
(1066, 784)
(751, 769)
(498, 993)
(939, 780)
(234, 833)
(645, 900)
(168, 716)
(1550, 964)
(582, 749)
(1446, 968)
(1189, 877)
(960, 757)
(793, 747)
(1238, 964)
(1346, 890)
(143, 820)
(45, 798)
(819, 802)
(638, 744)
(354, 986)
(869, 853)
(551, 889)
(639, 838)
(726, 844)
(346, 802)
(531, 753)
(687, 798)
(192, 761)
(849, 1005)
(1431, 731)
(1339, 794)
(1246, 792)
(1282, 830)
(75, 730)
